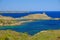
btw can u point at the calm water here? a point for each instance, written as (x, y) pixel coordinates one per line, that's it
(35, 26)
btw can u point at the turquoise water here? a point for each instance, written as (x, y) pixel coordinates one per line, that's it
(35, 26)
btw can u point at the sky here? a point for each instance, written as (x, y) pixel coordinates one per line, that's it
(29, 5)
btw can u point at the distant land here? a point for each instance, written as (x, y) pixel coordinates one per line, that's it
(38, 16)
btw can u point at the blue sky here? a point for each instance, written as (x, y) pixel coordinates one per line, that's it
(29, 5)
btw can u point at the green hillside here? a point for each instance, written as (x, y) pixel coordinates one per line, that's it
(12, 35)
(47, 35)
(43, 35)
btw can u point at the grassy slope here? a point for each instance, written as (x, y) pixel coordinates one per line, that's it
(12, 35)
(43, 35)
(47, 35)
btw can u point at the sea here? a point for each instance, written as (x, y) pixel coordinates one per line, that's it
(35, 26)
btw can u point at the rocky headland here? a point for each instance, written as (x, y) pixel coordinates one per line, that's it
(10, 21)
(42, 16)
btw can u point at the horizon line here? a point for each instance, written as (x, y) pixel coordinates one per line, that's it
(24, 11)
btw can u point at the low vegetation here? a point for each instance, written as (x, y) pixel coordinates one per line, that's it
(47, 35)
(43, 35)
(6, 22)
(12, 35)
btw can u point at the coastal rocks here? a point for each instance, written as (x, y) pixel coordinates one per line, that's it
(56, 18)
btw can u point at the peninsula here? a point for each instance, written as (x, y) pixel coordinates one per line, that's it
(42, 16)
(10, 21)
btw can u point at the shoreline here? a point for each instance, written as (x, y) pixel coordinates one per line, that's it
(15, 24)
